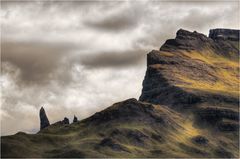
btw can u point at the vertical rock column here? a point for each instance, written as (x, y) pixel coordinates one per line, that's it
(43, 119)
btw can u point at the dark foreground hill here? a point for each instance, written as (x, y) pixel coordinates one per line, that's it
(189, 107)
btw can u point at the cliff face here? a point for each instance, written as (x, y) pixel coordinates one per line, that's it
(193, 68)
(188, 108)
(197, 74)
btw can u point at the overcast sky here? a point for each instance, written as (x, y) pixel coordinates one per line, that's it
(81, 57)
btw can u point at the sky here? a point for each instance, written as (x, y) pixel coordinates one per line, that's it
(80, 57)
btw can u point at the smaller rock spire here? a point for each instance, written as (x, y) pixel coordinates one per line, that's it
(44, 122)
(65, 120)
(75, 119)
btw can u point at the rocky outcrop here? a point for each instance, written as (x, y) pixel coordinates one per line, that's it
(44, 122)
(186, 40)
(224, 34)
(226, 42)
(75, 119)
(65, 120)
(189, 41)
(43, 119)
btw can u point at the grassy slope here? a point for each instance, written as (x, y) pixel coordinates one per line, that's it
(210, 74)
(226, 73)
(171, 138)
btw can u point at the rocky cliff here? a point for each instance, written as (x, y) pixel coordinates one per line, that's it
(193, 69)
(198, 75)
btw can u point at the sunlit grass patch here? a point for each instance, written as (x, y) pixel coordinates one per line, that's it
(226, 73)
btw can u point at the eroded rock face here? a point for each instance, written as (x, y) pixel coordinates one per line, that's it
(44, 122)
(224, 34)
(186, 40)
(221, 41)
(158, 84)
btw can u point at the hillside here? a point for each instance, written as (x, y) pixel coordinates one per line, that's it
(189, 107)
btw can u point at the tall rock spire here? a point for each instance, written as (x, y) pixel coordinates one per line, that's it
(43, 119)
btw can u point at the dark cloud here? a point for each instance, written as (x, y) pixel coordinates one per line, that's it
(113, 59)
(37, 62)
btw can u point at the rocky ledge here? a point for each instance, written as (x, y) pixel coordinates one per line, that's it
(220, 41)
(224, 34)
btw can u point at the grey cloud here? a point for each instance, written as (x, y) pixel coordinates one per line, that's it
(196, 19)
(192, 17)
(112, 59)
(38, 62)
(125, 19)
(113, 23)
